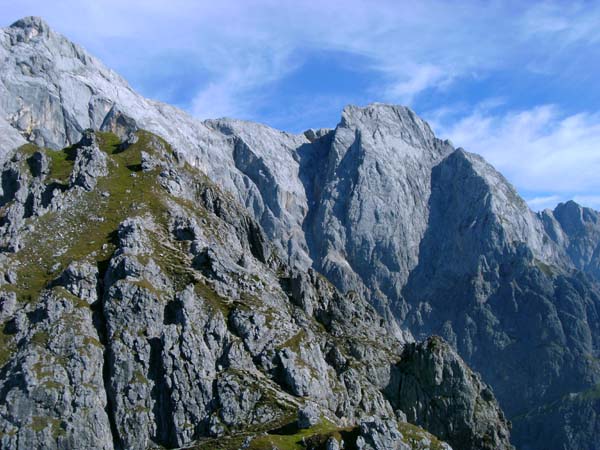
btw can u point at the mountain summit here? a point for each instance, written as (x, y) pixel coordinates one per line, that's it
(432, 237)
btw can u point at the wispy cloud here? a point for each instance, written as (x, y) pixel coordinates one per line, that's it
(540, 203)
(570, 22)
(243, 47)
(592, 201)
(540, 150)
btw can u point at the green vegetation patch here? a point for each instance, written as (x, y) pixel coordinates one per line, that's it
(40, 423)
(88, 229)
(288, 437)
(294, 343)
(61, 164)
(413, 435)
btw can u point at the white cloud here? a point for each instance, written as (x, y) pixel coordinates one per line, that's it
(569, 21)
(420, 78)
(244, 47)
(539, 150)
(540, 203)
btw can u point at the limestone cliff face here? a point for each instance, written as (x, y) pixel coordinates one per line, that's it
(433, 237)
(503, 293)
(371, 207)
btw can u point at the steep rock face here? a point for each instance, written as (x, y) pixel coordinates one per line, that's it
(436, 388)
(266, 174)
(372, 205)
(51, 387)
(165, 317)
(571, 420)
(490, 286)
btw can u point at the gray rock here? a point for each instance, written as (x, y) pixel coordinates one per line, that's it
(132, 236)
(332, 444)
(378, 434)
(81, 280)
(577, 230)
(51, 392)
(90, 163)
(308, 416)
(8, 302)
(439, 392)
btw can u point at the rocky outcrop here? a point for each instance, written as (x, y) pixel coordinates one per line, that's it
(577, 230)
(51, 389)
(90, 163)
(437, 389)
(375, 433)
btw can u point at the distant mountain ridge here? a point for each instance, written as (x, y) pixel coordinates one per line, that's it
(435, 238)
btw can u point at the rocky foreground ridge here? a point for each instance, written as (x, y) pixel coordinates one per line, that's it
(431, 236)
(143, 308)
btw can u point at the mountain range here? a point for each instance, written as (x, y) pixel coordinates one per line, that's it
(172, 282)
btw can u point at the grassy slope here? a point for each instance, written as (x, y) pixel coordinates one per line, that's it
(86, 230)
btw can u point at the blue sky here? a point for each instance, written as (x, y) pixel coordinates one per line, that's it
(514, 81)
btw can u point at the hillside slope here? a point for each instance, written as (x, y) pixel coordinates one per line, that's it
(142, 307)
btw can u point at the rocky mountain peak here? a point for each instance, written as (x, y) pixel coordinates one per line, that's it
(577, 230)
(31, 27)
(575, 218)
(391, 120)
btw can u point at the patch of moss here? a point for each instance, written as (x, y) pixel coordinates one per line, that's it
(321, 432)
(27, 150)
(294, 342)
(590, 394)
(51, 384)
(40, 338)
(108, 142)
(214, 300)
(61, 164)
(91, 341)
(60, 291)
(139, 377)
(146, 285)
(40, 423)
(413, 435)
(545, 268)
(293, 441)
